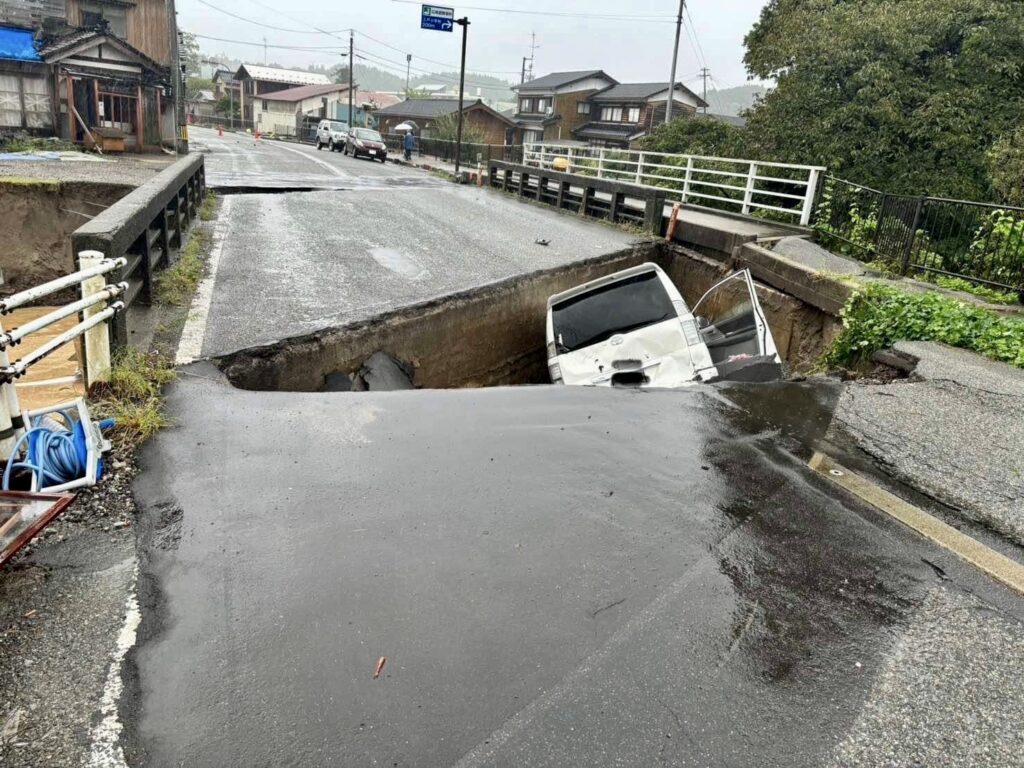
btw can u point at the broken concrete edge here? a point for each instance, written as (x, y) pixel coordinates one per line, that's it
(261, 367)
(113, 231)
(818, 289)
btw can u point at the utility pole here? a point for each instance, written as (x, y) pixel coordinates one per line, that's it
(264, 51)
(351, 69)
(705, 73)
(675, 58)
(522, 76)
(533, 51)
(408, 68)
(464, 23)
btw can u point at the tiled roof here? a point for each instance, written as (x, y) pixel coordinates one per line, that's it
(425, 107)
(620, 131)
(304, 92)
(639, 92)
(739, 122)
(276, 75)
(59, 47)
(560, 79)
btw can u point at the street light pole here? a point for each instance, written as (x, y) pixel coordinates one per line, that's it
(675, 57)
(464, 23)
(351, 68)
(408, 66)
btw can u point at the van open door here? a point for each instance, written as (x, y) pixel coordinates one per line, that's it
(733, 326)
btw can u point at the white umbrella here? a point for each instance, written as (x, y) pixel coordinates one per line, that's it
(405, 127)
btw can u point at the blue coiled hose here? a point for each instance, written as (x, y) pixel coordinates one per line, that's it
(54, 454)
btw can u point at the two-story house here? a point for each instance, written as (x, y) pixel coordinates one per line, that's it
(551, 107)
(625, 112)
(256, 81)
(96, 66)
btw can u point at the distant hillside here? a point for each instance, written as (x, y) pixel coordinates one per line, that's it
(375, 79)
(732, 101)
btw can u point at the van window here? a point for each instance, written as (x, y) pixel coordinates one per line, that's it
(620, 307)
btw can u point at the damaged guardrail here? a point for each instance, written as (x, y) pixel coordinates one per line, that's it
(146, 228)
(100, 304)
(600, 198)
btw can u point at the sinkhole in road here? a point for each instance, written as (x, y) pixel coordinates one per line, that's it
(493, 335)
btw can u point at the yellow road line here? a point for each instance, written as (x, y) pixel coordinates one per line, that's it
(999, 567)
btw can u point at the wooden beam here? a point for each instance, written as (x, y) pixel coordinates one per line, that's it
(96, 95)
(139, 130)
(71, 109)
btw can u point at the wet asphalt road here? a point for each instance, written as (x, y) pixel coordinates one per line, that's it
(556, 576)
(375, 238)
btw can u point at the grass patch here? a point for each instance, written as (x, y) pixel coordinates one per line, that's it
(878, 316)
(208, 210)
(176, 284)
(21, 181)
(132, 396)
(24, 143)
(991, 295)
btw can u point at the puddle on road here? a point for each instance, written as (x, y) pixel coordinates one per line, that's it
(399, 263)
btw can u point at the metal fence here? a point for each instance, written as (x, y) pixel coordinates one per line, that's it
(980, 242)
(444, 150)
(771, 190)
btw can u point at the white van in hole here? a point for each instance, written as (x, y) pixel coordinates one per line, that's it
(633, 329)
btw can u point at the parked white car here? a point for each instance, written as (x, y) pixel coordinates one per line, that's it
(331, 134)
(633, 328)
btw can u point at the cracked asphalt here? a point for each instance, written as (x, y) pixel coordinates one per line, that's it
(952, 431)
(372, 238)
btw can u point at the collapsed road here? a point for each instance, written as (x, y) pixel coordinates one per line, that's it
(372, 238)
(555, 576)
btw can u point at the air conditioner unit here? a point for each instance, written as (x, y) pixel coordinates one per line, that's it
(549, 110)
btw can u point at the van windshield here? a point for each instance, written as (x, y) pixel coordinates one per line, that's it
(339, 127)
(367, 134)
(620, 307)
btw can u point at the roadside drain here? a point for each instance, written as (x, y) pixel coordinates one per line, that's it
(492, 335)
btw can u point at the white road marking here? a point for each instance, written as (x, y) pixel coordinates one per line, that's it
(106, 752)
(190, 347)
(332, 168)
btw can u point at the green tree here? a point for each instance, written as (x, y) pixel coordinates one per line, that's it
(907, 95)
(1006, 168)
(190, 56)
(225, 105)
(196, 84)
(697, 136)
(446, 127)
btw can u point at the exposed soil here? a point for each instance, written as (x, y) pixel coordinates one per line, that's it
(37, 219)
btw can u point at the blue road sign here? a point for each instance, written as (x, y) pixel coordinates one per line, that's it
(437, 17)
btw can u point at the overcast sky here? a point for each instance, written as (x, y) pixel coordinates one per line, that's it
(637, 48)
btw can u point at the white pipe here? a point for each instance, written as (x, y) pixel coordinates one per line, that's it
(17, 334)
(19, 299)
(19, 367)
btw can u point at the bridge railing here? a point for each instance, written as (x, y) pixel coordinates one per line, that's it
(147, 227)
(773, 190)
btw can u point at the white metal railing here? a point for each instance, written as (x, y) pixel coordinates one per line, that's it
(96, 307)
(746, 185)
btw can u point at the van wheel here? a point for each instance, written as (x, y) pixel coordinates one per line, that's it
(330, 145)
(319, 146)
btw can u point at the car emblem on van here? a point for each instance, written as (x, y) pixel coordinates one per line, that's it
(616, 339)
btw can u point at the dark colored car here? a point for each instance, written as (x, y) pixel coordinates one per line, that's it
(366, 142)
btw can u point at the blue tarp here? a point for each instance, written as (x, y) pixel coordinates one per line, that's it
(18, 44)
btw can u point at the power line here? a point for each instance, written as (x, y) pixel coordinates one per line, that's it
(433, 61)
(257, 23)
(260, 44)
(561, 14)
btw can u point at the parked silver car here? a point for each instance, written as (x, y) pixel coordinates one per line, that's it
(331, 134)
(633, 328)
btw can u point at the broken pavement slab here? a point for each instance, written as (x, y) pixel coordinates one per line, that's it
(952, 431)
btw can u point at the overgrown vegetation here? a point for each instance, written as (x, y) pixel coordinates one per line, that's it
(878, 316)
(991, 295)
(208, 210)
(446, 128)
(132, 397)
(176, 284)
(24, 143)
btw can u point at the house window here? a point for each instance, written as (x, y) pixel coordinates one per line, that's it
(531, 137)
(264, 104)
(526, 105)
(543, 105)
(583, 108)
(611, 114)
(95, 14)
(634, 115)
